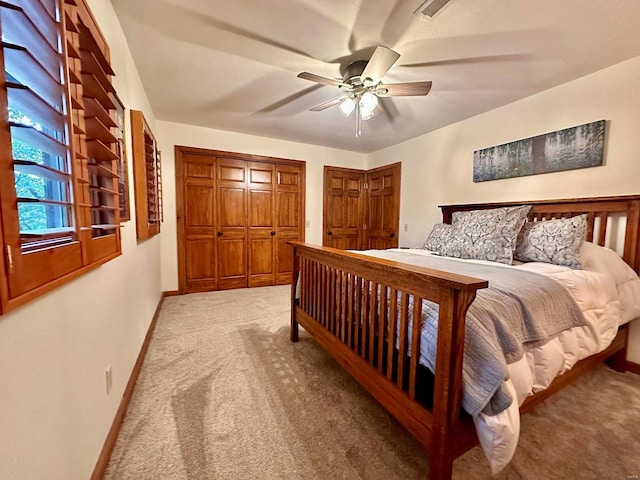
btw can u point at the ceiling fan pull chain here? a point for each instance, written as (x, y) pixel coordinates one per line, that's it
(358, 119)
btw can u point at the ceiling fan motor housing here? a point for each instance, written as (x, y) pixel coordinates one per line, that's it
(353, 72)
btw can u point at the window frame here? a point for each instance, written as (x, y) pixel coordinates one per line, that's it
(51, 261)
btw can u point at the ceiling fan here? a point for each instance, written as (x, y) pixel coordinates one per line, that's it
(362, 86)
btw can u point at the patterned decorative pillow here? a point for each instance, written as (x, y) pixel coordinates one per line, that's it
(552, 241)
(486, 234)
(439, 236)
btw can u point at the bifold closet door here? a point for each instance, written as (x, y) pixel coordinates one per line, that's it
(198, 174)
(261, 223)
(231, 213)
(289, 200)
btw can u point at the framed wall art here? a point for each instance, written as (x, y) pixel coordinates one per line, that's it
(568, 149)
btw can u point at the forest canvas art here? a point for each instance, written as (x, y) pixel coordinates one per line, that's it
(568, 149)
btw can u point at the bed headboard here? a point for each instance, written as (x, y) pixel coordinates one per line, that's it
(613, 222)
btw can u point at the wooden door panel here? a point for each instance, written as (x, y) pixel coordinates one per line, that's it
(200, 265)
(231, 213)
(200, 259)
(232, 171)
(383, 206)
(261, 209)
(232, 207)
(289, 217)
(261, 258)
(288, 210)
(196, 221)
(343, 208)
(199, 167)
(261, 224)
(353, 217)
(198, 205)
(232, 269)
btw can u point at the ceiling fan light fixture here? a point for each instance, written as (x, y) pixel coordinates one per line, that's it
(368, 102)
(366, 115)
(347, 106)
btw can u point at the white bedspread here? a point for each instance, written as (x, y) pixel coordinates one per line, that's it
(606, 302)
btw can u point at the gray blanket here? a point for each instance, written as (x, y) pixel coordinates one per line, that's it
(519, 309)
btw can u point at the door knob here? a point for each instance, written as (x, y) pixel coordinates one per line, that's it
(391, 235)
(329, 233)
(272, 233)
(219, 234)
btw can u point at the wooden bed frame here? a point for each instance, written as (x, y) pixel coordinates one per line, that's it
(332, 300)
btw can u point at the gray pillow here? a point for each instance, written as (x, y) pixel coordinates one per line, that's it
(486, 234)
(440, 235)
(552, 241)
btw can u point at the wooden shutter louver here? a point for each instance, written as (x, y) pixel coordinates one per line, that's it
(55, 213)
(147, 177)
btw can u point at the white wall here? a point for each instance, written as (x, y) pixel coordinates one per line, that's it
(171, 134)
(437, 167)
(54, 410)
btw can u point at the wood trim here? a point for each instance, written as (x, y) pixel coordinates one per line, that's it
(110, 442)
(633, 367)
(238, 155)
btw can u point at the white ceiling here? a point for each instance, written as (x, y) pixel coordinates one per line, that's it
(232, 64)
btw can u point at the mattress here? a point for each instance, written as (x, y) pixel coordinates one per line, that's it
(608, 294)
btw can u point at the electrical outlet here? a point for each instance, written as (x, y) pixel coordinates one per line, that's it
(406, 227)
(108, 375)
(307, 223)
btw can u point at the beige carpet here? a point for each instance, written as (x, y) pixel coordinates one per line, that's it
(224, 394)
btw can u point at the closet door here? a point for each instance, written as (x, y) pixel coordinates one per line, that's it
(231, 212)
(198, 174)
(261, 223)
(383, 207)
(344, 208)
(289, 200)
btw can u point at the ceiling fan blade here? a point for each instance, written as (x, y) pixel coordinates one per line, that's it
(409, 89)
(328, 103)
(513, 57)
(319, 79)
(381, 61)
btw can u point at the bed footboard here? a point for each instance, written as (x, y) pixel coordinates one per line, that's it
(361, 310)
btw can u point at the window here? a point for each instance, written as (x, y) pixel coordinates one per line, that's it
(58, 187)
(147, 177)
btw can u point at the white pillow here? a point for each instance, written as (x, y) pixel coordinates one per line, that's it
(604, 260)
